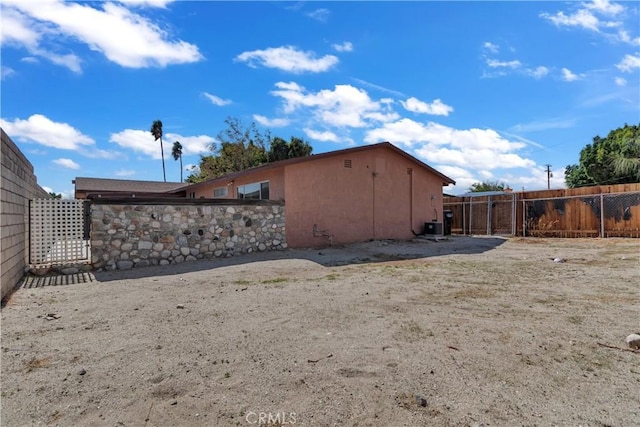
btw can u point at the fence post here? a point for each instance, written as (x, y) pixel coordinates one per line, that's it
(464, 219)
(601, 215)
(513, 214)
(489, 216)
(470, 216)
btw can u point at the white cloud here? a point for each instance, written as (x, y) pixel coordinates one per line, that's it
(378, 87)
(288, 58)
(17, 29)
(493, 48)
(70, 60)
(620, 81)
(322, 136)
(593, 16)
(538, 72)
(200, 144)
(536, 126)
(66, 163)
(142, 141)
(6, 72)
(345, 106)
(437, 107)
(275, 123)
(124, 37)
(568, 76)
(321, 15)
(147, 3)
(44, 131)
(473, 148)
(494, 63)
(624, 36)
(605, 7)
(582, 18)
(29, 59)
(629, 62)
(343, 47)
(215, 100)
(125, 172)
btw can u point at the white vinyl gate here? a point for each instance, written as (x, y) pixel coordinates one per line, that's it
(59, 232)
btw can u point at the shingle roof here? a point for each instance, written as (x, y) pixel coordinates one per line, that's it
(124, 185)
(281, 163)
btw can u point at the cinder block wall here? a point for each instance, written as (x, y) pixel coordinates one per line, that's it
(18, 185)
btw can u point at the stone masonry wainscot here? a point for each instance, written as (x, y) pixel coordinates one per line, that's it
(130, 235)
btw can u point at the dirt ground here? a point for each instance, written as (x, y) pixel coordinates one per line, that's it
(459, 332)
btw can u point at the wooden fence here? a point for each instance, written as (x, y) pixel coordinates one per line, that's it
(601, 211)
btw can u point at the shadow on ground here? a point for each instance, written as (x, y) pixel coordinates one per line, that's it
(358, 253)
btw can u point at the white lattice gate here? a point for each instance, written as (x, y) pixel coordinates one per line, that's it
(59, 232)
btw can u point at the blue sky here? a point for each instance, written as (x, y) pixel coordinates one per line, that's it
(478, 90)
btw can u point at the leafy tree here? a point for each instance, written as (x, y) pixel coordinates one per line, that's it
(278, 150)
(611, 160)
(156, 131)
(55, 195)
(627, 163)
(281, 150)
(176, 152)
(487, 186)
(242, 148)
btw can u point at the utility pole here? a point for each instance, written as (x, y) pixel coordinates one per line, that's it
(549, 176)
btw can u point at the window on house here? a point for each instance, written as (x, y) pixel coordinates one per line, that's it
(255, 191)
(192, 195)
(220, 193)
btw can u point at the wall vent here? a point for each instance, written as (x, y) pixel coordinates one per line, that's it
(347, 163)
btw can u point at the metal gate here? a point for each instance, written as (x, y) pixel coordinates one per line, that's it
(59, 232)
(484, 215)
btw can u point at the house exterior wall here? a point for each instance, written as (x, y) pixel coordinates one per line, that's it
(18, 186)
(382, 195)
(274, 176)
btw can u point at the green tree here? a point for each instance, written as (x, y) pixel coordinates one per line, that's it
(627, 162)
(241, 147)
(55, 195)
(279, 149)
(611, 160)
(487, 186)
(156, 131)
(176, 152)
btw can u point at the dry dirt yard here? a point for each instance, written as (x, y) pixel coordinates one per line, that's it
(464, 332)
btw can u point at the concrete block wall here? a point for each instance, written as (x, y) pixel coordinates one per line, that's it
(125, 236)
(18, 184)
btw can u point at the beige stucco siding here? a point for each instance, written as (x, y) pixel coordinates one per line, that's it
(372, 199)
(274, 176)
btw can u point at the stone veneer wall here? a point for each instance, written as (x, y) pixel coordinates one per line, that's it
(18, 185)
(124, 236)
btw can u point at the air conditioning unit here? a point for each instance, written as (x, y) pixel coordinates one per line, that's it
(433, 228)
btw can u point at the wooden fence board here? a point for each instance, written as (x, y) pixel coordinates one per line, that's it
(560, 212)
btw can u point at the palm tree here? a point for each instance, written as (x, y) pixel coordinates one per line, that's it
(156, 131)
(176, 152)
(627, 162)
